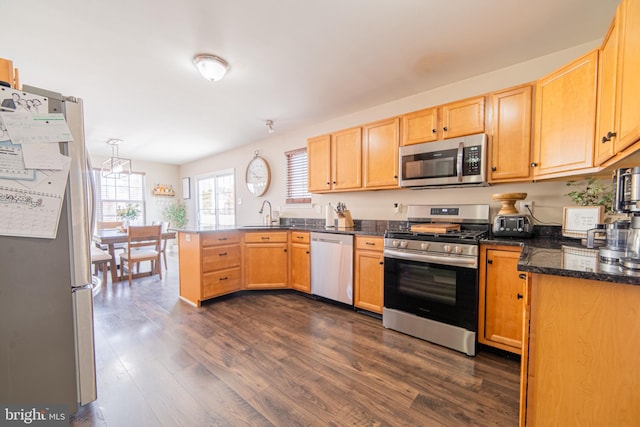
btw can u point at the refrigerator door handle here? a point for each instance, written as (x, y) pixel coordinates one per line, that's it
(84, 342)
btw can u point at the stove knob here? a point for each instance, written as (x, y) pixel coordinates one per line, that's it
(395, 243)
(424, 246)
(403, 244)
(457, 250)
(447, 248)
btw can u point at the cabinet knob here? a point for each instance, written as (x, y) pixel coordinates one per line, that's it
(307, 252)
(381, 262)
(534, 164)
(328, 183)
(520, 296)
(395, 176)
(522, 276)
(489, 261)
(608, 136)
(334, 182)
(445, 128)
(434, 130)
(222, 254)
(493, 168)
(224, 278)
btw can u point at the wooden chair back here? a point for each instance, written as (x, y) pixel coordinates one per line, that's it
(143, 244)
(108, 225)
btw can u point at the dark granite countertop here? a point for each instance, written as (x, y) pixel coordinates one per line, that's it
(547, 252)
(565, 257)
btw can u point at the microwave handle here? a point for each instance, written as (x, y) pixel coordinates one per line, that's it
(459, 160)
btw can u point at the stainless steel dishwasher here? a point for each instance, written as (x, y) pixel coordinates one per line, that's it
(332, 266)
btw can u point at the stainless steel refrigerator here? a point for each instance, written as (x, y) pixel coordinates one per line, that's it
(46, 302)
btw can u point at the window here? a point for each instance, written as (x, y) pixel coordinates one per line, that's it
(297, 179)
(216, 199)
(118, 193)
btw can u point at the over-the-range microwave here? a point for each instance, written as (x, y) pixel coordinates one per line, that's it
(448, 162)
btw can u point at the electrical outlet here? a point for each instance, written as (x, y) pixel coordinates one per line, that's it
(522, 207)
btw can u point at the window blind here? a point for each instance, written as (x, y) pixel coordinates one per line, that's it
(297, 178)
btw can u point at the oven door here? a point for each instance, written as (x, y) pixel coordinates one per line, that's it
(444, 293)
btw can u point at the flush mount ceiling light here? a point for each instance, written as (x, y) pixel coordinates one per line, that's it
(269, 124)
(211, 67)
(115, 166)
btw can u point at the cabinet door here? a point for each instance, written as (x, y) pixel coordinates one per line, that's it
(511, 131)
(501, 300)
(420, 126)
(369, 276)
(462, 118)
(346, 159)
(319, 158)
(565, 118)
(511, 143)
(300, 267)
(265, 265)
(380, 153)
(369, 273)
(607, 77)
(628, 106)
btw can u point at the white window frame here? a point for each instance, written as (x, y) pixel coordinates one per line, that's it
(216, 210)
(102, 214)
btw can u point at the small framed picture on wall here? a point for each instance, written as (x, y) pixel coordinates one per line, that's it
(186, 188)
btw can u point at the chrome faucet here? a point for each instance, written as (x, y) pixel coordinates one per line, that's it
(269, 220)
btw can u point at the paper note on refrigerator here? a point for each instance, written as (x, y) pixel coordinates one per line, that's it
(27, 128)
(33, 211)
(12, 162)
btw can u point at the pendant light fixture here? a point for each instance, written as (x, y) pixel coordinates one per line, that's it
(212, 67)
(115, 166)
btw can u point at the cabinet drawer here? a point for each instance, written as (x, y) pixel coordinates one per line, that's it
(220, 282)
(266, 237)
(300, 237)
(220, 257)
(370, 243)
(220, 238)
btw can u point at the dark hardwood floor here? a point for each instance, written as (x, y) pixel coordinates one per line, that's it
(279, 359)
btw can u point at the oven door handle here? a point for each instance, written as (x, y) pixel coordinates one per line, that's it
(460, 158)
(434, 259)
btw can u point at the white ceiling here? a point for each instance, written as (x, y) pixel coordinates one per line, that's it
(293, 61)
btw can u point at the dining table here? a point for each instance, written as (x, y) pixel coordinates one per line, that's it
(112, 237)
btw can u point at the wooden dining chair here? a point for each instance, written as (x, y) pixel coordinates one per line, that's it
(101, 260)
(165, 227)
(143, 244)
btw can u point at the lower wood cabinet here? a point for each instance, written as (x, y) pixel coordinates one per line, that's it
(501, 298)
(582, 343)
(369, 273)
(209, 264)
(266, 260)
(300, 257)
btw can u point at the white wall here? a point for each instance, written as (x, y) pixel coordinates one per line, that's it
(155, 173)
(548, 197)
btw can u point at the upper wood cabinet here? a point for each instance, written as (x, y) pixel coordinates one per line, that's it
(335, 161)
(381, 142)
(510, 148)
(460, 118)
(618, 84)
(565, 117)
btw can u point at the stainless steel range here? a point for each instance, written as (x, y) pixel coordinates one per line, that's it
(431, 274)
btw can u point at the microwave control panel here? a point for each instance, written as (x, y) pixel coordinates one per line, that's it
(472, 160)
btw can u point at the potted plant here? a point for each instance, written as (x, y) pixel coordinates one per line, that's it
(176, 213)
(593, 194)
(128, 214)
